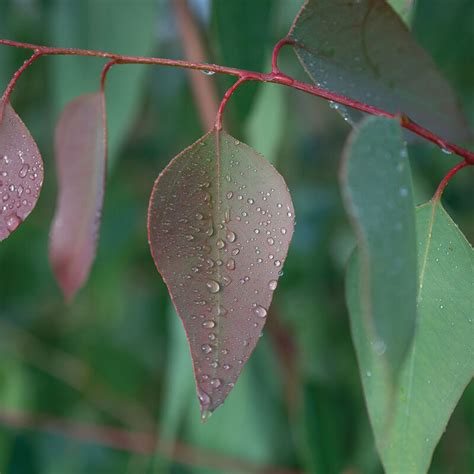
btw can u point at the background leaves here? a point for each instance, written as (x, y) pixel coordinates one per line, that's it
(120, 323)
(440, 364)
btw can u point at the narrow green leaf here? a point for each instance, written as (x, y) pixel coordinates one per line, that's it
(244, 48)
(376, 183)
(128, 28)
(265, 125)
(220, 222)
(440, 364)
(361, 49)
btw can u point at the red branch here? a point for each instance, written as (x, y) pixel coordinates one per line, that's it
(138, 443)
(275, 76)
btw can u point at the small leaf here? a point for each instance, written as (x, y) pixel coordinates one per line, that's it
(21, 171)
(361, 49)
(220, 221)
(376, 183)
(409, 424)
(80, 145)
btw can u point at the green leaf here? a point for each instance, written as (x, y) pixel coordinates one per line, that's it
(265, 125)
(440, 364)
(220, 221)
(376, 183)
(244, 48)
(125, 29)
(405, 9)
(362, 50)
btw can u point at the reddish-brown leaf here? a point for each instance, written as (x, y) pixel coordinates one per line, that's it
(80, 146)
(220, 221)
(362, 49)
(21, 171)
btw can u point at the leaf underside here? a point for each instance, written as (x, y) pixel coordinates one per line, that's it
(80, 147)
(409, 421)
(220, 221)
(21, 172)
(361, 49)
(377, 189)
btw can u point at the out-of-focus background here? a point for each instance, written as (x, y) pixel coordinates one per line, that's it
(117, 357)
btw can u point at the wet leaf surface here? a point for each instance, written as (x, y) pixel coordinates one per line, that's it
(409, 421)
(21, 172)
(362, 49)
(80, 145)
(220, 223)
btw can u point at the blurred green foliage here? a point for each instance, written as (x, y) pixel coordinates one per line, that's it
(118, 355)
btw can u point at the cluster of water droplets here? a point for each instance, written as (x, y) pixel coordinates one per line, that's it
(222, 236)
(20, 183)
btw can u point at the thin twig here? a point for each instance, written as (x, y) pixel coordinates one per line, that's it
(133, 442)
(275, 77)
(447, 178)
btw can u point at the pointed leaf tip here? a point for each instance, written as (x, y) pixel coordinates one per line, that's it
(21, 171)
(220, 221)
(80, 146)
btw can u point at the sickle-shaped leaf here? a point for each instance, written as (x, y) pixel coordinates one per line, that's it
(220, 221)
(361, 49)
(21, 171)
(409, 423)
(80, 145)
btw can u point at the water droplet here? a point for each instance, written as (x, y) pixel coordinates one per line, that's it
(213, 286)
(379, 347)
(189, 237)
(229, 195)
(13, 222)
(227, 367)
(230, 236)
(230, 264)
(212, 336)
(272, 285)
(209, 324)
(235, 252)
(277, 263)
(24, 170)
(270, 241)
(260, 311)
(250, 201)
(216, 383)
(226, 280)
(283, 230)
(208, 73)
(403, 192)
(220, 244)
(199, 216)
(445, 150)
(214, 364)
(206, 348)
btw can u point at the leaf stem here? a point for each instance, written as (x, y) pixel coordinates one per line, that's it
(244, 75)
(225, 99)
(447, 178)
(6, 95)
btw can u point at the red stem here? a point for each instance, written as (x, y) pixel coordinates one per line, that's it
(225, 99)
(276, 52)
(447, 178)
(103, 74)
(275, 76)
(16, 76)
